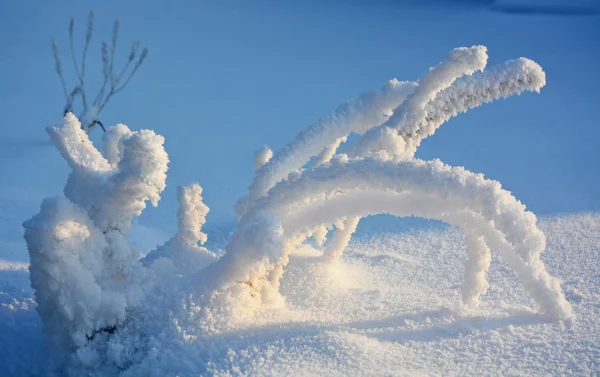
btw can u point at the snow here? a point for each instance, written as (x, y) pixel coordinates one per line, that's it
(499, 291)
(262, 156)
(390, 307)
(418, 117)
(356, 115)
(425, 189)
(85, 274)
(107, 311)
(183, 251)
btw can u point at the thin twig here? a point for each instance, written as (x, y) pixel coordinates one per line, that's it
(113, 52)
(108, 58)
(58, 67)
(88, 38)
(71, 33)
(132, 53)
(105, 72)
(71, 98)
(135, 68)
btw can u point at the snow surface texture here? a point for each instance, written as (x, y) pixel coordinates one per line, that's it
(108, 312)
(391, 306)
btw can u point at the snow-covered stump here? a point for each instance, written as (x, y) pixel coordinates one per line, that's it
(85, 273)
(67, 256)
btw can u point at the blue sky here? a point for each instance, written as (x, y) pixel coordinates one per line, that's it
(224, 78)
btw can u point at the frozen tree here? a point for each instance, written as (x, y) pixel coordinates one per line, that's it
(95, 292)
(114, 80)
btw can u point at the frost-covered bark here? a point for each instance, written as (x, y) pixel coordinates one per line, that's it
(329, 151)
(67, 274)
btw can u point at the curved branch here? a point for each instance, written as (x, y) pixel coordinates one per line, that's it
(426, 189)
(357, 115)
(501, 81)
(512, 77)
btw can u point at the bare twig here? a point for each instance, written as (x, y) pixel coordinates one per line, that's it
(108, 61)
(132, 53)
(105, 73)
(88, 38)
(115, 37)
(71, 37)
(58, 67)
(71, 98)
(115, 90)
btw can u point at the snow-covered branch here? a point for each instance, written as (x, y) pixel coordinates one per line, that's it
(357, 115)
(363, 187)
(402, 139)
(510, 78)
